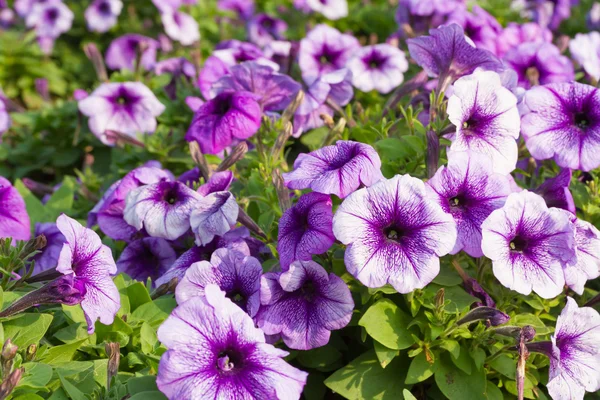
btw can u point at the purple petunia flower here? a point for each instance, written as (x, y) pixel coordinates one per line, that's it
(48, 257)
(214, 351)
(101, 15)
(324, 50)
(562, 121)
(244, 8)
(24, 7)
(418, 16)
(331, 9)
(556, 193)
(180, 27)
(263, 29)
(237, 274)
(213, 215)
(585, 49)
(178, 67)
(128, 108)
(380, 67)
(218, 182)
(5, 121)
(394, 234)
(447, 55)
(483, 29)
(469, 190)
(91, 264)
(218, 122)
(550, 13)
(305, 229)
(146, 258)
(123, 51)
(303, 305)
(14, 220)
(50, 20)
(539, 63)
(592, 19)
(529, 244)
(486, 118)
(515, 34)
(163, 209)
(339, 169)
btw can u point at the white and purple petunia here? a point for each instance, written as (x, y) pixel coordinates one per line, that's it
(331, 9)
(469, 190)
(163, 209)
(90, 263)
(177, 67)
(380, 67)
(562, 121)
(215, 351)
(515, 34)
(180, 27)
(49, 19)
(237, 274)
(48, 256)
(123, 52)
(213, 215)
(14, 220)
(218, 182)
(128, 108)
(5, 121)
(585, 49)
(263, 29)
(244, 8)
(305, 229)
(101, 15)
(303, 305)
(556, 193)
(339, 169)
(529, 244)
(394, 234)
(486, 118)
(146, 258)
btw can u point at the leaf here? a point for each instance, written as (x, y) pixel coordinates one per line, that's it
(506, 365)
(62, 353)
(37, 375)
(530, 319)
(420, 369)
(408, 395)
(61, 201)
(35, 208)
(154, 395)
(148, 338)
(451, 346)
(138, 295)
(447, 276)
(364, 379)
(155, 312)
(478, 355)
(463, 361)
(141, 384)
(455, 384)
(72, 390)
(492, 392)
(27, 328)
(386, 323)
(320, 357)
(74, 313)
(459, 299)
(384, 355)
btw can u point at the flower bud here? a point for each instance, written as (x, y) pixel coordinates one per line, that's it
(95, 56)
(238, 152)
(10, 382)
(493, 315)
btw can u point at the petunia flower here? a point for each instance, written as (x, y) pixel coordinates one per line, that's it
(146, 258)
(303, 305)
(128, 108)
(214, 351)
(421, 15)
(218, 122)
(515, 34)
(529, 244)
(213, 215)
(331, 9)
(5, 121)
(380, 67)
(123, 51)
(263, 29)
(50, 20)
(237, 274)
(592, 18)
(24, 7)
(469, 190)
(180, 27)
(561, 121)
(163, 209)
(394, 234)
(339, 169)
(305, 229)
(483, 29)
(585, 49)
(218, 182)
(101, 15)
(14, 220)
(48, 256)
(244, 8)
(486, 118)
(550, 13)
(177, 67)
(556, 193)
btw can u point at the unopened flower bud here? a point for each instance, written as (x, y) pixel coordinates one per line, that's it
(10, 382)
(238, 152)
(493, 315)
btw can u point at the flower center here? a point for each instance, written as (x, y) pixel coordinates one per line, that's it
(533, 76)
(456, 201)
(582, 120)
(223, 104)
(52, 14)
(104, 8)
(228, 360)
(171, 196)
(393, 233)
(518, 244)
(308, 290)
(237, 298)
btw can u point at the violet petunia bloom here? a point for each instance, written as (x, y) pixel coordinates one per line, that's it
(486, 118)
(585, 49)
(324, 50)
(14, 220)
(215, 351)
(539, 63)
(339, 169)
(213, 215)
(50, 20)
(24, 7)
(550, 13)
(380, 67)
(556, 193)
(529, 244)
(218, 182)
(447, 55)
(163, 209)
(303, 305)
(48, 257)
(469, 190)
(220, 121)
(180, 27)
(5, 121)
(237, 274)
(244, 8)
(177, 67)
(123, 51)
(592, 19)
(394, 234)
(575, 353)
(418, 16)
(263, 29)
(101, 15)
(562, 121)
(483, 29)
(331, 9)
(91, 265)
(515, 34)
(273, 91)
(146, 258)
(305, 229)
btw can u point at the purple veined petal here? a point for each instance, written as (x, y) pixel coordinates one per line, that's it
(263, 29)
(146, 258)
(101, 15)
(122, 52)
(14, 220)
(585, 49)
(379, 67)
(556, 193)
(48, 257)
(213, 215)
(49, 19)
(515, 34)
(218, 182)
(214, 68)
(180, 27)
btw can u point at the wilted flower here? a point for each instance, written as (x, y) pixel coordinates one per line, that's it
(237, 274)
(556, 193)
(263, 29)
(163, 209)
(303, 305)
(515, 34)
(561, 121)
(305, 229)
(128, 108)
(146, 258)
(214, 351)
(529, 244)
(213, 215)
(394, 234)
(50, 20)
(469, 190)
(244, 8)
(101, 15)
(486, 118)
(123, 52)
(48, 257)
(331, 9)
(180, 27)
(339, 169)
(380, 67)
(14, 220)
(585, 49)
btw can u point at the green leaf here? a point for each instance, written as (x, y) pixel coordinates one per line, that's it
(364, 379)
(28, 396)
(463, 361)
(447, 276)
(72, 390)
(459, 299)
(386, 323)
(27, 328)
(478, 355)
(384, 354)
(506, 365)
(155, 312)
(492, 392)
(148, 338)
(451, 346)
(154, 395)
(530, 319)
(74, 313)
(61, 201)
(141, 384)
(37, 375)
(63, 353)
(420, 369)
(138, 295)
(408, 395)
(455, 384)
(320, 357)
